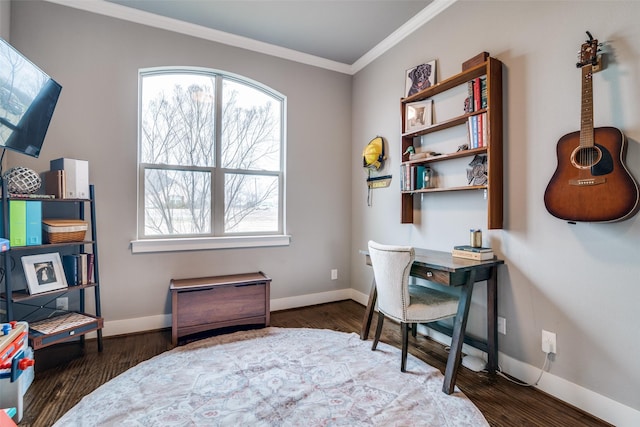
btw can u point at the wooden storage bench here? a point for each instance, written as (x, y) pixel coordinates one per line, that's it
(206, 303)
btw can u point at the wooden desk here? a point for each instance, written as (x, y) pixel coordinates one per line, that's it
(441, 267)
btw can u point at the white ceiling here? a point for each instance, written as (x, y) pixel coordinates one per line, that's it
(343, 35)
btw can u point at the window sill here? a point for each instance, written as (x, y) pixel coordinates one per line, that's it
(205, 243)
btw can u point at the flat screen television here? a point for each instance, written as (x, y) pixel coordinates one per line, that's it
(28, 97)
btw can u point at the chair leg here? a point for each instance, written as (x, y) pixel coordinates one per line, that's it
(414, 329)
(378, 330)
(405, 342)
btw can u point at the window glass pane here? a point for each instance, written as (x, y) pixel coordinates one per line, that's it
(177, 115)
(197, 124)
(251, 128)
(177, 202)
(251, 203)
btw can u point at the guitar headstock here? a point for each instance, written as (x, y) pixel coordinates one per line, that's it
(589, 54)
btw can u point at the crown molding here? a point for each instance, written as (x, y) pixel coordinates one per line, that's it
(114, 10)
(421, 18)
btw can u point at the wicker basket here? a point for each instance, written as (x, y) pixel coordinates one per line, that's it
(64, 230)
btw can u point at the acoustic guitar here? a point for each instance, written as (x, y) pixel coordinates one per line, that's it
(591, 182)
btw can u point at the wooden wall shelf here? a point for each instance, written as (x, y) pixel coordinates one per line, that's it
(492, 69)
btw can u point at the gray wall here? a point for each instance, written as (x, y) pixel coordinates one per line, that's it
(96, 60)
(579, 281)
(5, 19)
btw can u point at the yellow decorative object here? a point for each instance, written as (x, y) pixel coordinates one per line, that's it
(373, 154)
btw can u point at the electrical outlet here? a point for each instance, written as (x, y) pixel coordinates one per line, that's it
(334, 274)
(62, 303)
(548, 342)
(502, 325)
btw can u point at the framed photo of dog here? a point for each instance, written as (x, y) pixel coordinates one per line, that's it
(420, 77)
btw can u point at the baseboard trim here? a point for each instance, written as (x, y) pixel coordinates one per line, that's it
(150, 323)
(595, 404)
(573, 394)
(589, 401)
(310, 299)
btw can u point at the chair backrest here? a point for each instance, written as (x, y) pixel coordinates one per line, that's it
(391, 268)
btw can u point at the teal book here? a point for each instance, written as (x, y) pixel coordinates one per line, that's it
(18, 223)
(34, 222)
(420, 177)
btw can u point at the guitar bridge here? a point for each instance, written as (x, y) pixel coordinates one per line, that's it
(588, 181)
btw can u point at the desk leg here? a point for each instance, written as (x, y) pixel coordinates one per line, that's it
(368, 313)
(492, 321)
(457, 339)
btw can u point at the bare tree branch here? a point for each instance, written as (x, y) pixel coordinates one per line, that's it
(179, 131)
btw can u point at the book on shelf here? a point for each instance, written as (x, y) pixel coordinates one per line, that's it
(478, 132)
(70, 267)
(477, 102)
(478, 256)
(54, 183)
(420, 177)
(90, 267)
(18, 223)
(25, 223)
(470, 248)
(30, 196)
(78, 268)
(411, 177)
(33, 222)
(82, 269)
(485, 130)
(483, 92)
(468, 102)
(473, 131)
(476, 95)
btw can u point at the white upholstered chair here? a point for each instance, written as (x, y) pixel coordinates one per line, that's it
(404, 303)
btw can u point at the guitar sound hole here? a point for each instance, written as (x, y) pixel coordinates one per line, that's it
(585, 157)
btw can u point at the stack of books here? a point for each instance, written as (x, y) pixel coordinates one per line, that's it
(78, 268)
(471, 252)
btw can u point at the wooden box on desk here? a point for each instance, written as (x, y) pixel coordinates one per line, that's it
(207, 303)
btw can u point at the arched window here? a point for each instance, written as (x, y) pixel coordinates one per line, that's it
(211, 155)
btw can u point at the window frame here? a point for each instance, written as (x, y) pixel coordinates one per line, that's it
(217, 238)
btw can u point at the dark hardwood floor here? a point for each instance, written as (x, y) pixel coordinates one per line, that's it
(57, 389)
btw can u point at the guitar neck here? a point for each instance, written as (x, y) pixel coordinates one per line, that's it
(586, 123)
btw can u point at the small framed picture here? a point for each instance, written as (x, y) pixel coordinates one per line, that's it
(420, 77)
(417, 115)
(44, 272)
